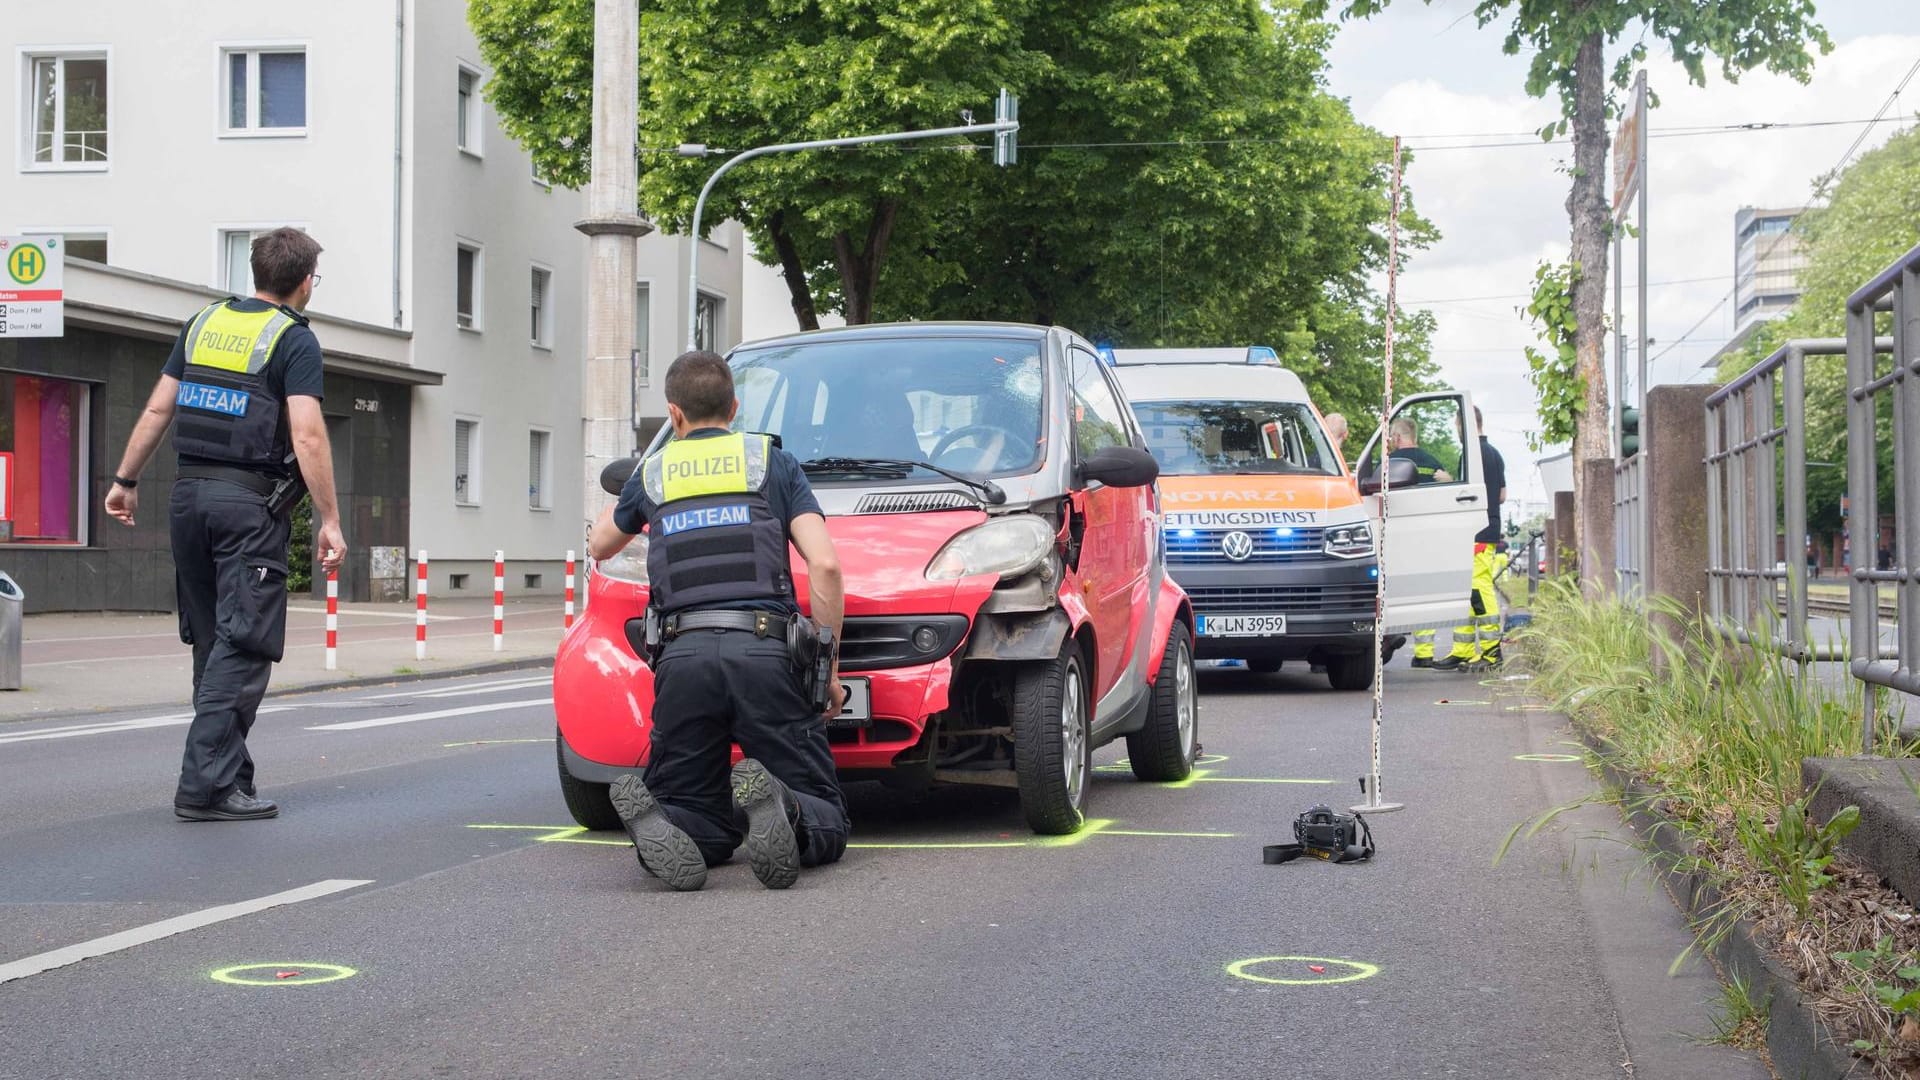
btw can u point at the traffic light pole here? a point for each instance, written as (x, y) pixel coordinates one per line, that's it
(1003, 130)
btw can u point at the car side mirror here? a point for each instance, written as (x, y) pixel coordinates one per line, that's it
(613, 478)
(1120, 466)
(1400, 473)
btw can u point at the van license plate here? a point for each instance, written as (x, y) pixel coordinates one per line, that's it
(1242, 625)
(858, 711)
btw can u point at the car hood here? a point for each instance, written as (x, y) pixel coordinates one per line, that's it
(884, 557)
(1226, 500)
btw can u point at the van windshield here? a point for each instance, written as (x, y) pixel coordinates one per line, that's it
(963, 403)
(1201, 438)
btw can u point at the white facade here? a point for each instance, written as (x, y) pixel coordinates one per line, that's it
(394, 177)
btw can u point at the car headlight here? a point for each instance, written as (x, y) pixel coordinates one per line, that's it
(1008, 546)
(629, 566)
(1349, 541)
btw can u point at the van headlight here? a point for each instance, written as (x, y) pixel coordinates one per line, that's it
(1007, 546)
(1349, 541)
(629, 566)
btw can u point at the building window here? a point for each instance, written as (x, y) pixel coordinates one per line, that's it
(539, 466)
(266, 90)
(91, 246)
(43, 424)
(67, 111)
(541, 299)
(236, 261)
(642, 331)
(706, 322)
(466, 287)
(467, 120)
(466, 462)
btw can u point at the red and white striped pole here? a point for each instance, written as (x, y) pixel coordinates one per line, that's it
(420, 609)
(499, 598)
(333, 619)
(568, 624)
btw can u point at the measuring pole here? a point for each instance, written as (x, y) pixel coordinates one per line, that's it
(333, 619)
(1374, 804)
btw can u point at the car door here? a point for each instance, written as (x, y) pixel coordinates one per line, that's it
(1429, 524)
(1113, 550)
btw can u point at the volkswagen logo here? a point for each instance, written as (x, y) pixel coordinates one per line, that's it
(1237, 546)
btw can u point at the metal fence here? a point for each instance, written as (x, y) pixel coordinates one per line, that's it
(1897, 290)
(1630, 525)
(1757, 468)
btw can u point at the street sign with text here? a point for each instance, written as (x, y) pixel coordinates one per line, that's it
(32, 300)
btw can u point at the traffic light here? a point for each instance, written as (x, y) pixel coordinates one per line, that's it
(1629, 431)
(1006, 144)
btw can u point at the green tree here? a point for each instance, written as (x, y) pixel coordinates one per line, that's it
(1568, 41)
(1867, 221)
(1554, 371)
(1184, 178)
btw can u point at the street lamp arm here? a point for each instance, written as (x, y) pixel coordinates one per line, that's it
(700, 205)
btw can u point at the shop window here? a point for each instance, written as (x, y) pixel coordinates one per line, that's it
(43, 424)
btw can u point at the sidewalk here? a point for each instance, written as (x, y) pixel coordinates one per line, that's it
(79, 663)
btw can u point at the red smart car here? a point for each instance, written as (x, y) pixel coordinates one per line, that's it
(1008, 608)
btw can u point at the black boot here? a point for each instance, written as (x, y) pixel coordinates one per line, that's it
(772, 848)
(664, 851)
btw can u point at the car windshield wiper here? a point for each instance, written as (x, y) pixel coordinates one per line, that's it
(990, 492)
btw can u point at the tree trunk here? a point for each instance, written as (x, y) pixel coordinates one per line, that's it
(860, 270)
(793, 272)
(1591, 219)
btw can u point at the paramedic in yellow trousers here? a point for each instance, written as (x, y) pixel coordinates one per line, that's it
(1478, 640)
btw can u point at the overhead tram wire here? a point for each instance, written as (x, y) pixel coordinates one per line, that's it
(1781, 238)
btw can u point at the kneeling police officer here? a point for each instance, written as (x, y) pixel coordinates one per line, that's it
(733, 660)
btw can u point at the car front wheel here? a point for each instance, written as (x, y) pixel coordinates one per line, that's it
(1165, 748)
(1052, 744)
(589, 803)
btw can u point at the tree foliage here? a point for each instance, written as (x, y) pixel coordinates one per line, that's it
(1553, 371)
(1866, 223)
(1184, 177)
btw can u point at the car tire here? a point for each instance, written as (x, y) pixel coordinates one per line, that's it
(1164, 750)
(1351, 671)
(590, 804)
(1263, 667)
(1052, 741)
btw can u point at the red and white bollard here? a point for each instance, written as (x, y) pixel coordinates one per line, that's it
(499, 599)
(420, 609)
(568, 624)
(333, 619)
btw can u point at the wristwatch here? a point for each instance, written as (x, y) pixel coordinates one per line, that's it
(126, 483)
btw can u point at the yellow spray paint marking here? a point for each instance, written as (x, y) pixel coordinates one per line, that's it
(491, 742)
(575, 834)
(938, 846)
(268, 974)
(1125, 765)
(1242, 969)
(1546, 757)
(1461, 701)
(559, 834)
(1530, 708)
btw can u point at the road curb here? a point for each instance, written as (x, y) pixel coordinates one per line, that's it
(352, 682)
(1800, 1046)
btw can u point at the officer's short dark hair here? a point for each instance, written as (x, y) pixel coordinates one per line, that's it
(282, 259)
(701, 384)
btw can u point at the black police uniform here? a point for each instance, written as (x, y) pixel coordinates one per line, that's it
(230, 554)
(728, 551)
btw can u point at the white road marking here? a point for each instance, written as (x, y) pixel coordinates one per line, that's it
(107, 727)
(437, 714)
(140, 935)
(409, 614)
(495, 687)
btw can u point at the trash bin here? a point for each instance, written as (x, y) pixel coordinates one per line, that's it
(12, 600)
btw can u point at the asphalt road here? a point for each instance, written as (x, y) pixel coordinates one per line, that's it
(491, 939)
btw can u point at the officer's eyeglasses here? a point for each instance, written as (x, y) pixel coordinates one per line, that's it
(316, 280)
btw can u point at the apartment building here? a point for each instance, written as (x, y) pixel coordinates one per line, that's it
(156, 140)
(1768, 257)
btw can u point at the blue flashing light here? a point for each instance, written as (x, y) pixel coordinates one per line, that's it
(1185, 534)
(1283, 532)
(1105, 349)
(1262, 354)
(1373, 572)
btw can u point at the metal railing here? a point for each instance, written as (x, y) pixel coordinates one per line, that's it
(1895, 289)
(1630, 526)
(1756, 468)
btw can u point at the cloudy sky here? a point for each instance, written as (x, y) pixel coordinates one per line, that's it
(1430, 74)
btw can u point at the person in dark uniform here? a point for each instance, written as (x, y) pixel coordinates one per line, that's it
(720, 509)
(244, 382)
(1478, 642)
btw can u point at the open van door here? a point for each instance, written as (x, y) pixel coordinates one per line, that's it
(1432, 516)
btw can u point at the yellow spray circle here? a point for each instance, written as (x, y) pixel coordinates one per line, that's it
(268, 974)
(1530, 708)
(1546, 757)
(1239, 969)
(1461, 701)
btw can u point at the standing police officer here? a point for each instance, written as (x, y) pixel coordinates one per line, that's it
(1478, 642)
(721, 509)
(245, 378)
